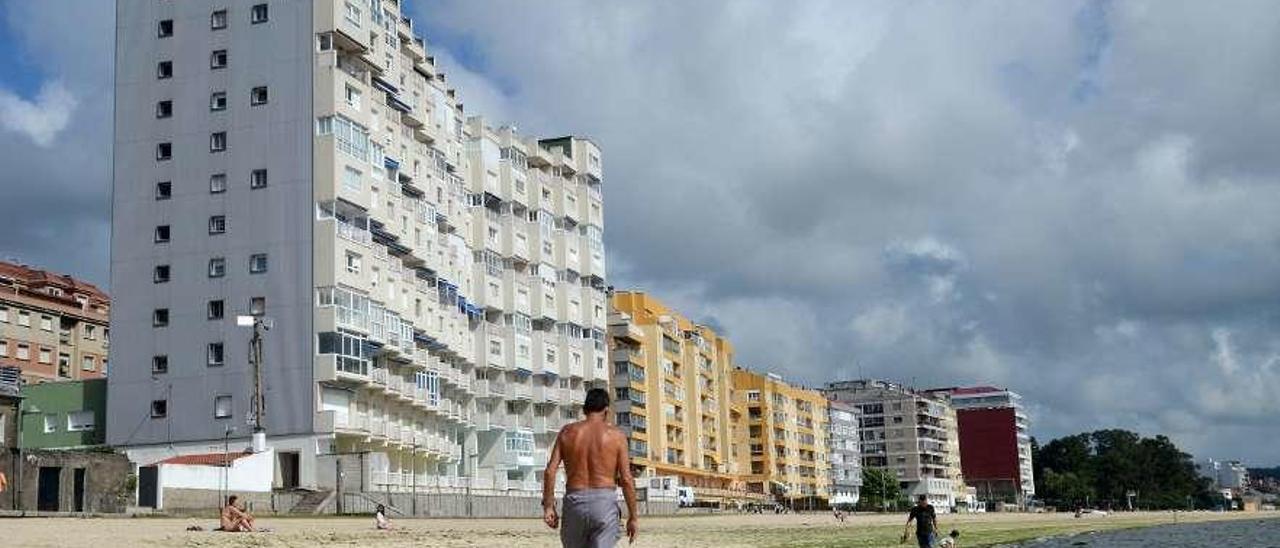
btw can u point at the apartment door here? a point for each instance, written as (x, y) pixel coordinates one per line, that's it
(148, 486)
(289, 465)
(48, 486)
(77, 490)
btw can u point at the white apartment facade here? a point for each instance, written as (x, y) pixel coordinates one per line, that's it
(436, 287)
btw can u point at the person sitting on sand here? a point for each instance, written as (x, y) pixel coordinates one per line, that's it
(951, 541)
(235, 520)
(380, 519)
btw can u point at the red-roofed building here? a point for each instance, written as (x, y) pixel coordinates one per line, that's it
(206, 459)
(52, 326)
(995, 447)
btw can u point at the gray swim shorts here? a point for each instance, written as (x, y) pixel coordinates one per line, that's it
(590, 518)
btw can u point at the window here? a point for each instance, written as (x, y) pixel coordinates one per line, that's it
(80, 421)
(258, 178)
(164, 151)
(164, 29)
(164, 190)
(215, 309)
(324, 41)
(161, 274)
(214, 354)
(222, 406)
(218, 141)
(162, 234)
(4, 314)
(160, 317)
(257, 263)
(353, 97)
(351, 179)
(353, 262)
(257, 306)
(217, 183)
(218, 59)
(218, 20)
(164, 69)
(353, 14)
(159, 364)
(86, 363)
(218, 101)
(4, 349)
(351, 138)
(258, 96)
(24, 352)
(164, 109)
(45, 356)
(46, 323)
(159, 408)
(217, 267)
(258, 14)
(218, 224)
(50, 423)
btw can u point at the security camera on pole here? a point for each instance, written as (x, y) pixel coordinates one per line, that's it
(259, 324)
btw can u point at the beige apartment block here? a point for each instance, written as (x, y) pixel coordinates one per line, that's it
(910, 434)
(786, 443)
(52, 327)
(671, 381)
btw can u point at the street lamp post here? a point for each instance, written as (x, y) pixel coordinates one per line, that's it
(259, 324)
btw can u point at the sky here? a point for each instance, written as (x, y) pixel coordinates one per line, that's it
(1076, 200)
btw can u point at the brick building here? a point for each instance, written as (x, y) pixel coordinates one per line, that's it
(52, 326)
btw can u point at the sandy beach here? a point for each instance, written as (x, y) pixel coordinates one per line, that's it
(733, 530)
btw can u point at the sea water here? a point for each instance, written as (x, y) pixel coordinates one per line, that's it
(1263, 533)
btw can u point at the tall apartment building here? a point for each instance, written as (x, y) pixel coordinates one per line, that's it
(671, 382)
(995, 446)
(787, 437)
(906, 433)
(435, 286)
(52, 327)
(846, 454)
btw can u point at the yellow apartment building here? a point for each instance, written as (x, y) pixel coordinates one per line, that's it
(784, 445)
(670, 379)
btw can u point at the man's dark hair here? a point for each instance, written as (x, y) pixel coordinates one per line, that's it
(597, 400)
(922, 498)
(232, 500)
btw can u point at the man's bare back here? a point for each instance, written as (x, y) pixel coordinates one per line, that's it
(596, 463)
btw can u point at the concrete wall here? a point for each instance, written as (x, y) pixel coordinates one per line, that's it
(246, 474)
(276, 220)
(106, 480)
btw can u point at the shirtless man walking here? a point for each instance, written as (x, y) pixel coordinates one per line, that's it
(595, 462)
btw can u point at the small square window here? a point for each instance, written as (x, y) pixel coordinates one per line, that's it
(164, 151)
(222, 406)
(164, 69)
(258, 96)
(160, 317)
(80, 421)
(50, 423)
(218, 20)
(217, 183)
(162, 234)
(257, 263)
(218, 101)
(259, 14)
(215, 309)
(215, 354)
(217, 267)
(218, 141)
(218, 224)
(164, 109)
(324, 41)
(164, 29)
(161, 274)
(164, 190)
(258, 178)
(257, 306)
(159, 409)
(218, 59)
(159, 364)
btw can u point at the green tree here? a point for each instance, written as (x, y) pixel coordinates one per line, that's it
(880, 489)
(1101, 468)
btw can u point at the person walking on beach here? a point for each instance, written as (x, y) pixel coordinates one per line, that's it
(926, 522)
(595, 463)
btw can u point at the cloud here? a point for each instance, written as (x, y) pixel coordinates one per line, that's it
(41, 120)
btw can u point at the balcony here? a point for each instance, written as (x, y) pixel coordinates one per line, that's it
(521, 391)
(628, 332)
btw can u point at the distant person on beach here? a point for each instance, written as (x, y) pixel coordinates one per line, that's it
(596, 461)
(926, 522)
(4, 482)
(380, 518)
(235, 520)
(951, 541)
